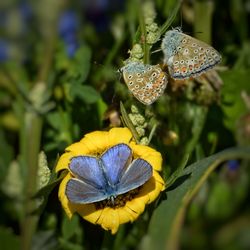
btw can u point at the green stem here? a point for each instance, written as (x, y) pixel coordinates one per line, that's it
(152, 132)
(143, 33)
(114, 51)
(119, 239)
(47, 62)
(30, 147)
(171, 18)
(203, 20)
(197, 129)
(126, 120)
(33, 129)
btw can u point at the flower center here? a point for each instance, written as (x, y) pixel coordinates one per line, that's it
(118, 201)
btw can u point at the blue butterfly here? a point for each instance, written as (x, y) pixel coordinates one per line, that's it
(112, 174)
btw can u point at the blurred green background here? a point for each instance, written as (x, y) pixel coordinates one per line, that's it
(59, 79)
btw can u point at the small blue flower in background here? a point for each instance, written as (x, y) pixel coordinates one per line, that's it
(25, 10)
(68, 27)
(233, 165)
(4, 51)
(99, 12)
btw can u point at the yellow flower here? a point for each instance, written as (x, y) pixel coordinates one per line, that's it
(109, 217)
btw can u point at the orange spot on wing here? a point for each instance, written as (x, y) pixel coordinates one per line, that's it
(160, 79)
(184, 69)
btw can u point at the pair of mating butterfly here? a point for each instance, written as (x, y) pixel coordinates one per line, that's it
(184, 56)
(115, 173)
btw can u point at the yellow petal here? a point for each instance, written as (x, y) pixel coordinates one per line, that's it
(78, 148)
(124, 215)
(96, 142)
(149, 154)
(137, 205)
(119, 135)
(89, 212)
(63, 198)
(63, 161)
(109, 219)
(133, 214)
(153, 187)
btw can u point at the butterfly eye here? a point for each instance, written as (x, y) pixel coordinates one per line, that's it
(138, 74)
(130, 77)
(143, 71)
(184, 41)
(196, 58)
(137, 86)
(179, 48)
(130, 83)
(176, 62)
(207, 50)
(154, 74)
(196, 51)
(194, 44)
(182, 61)
(201, 49)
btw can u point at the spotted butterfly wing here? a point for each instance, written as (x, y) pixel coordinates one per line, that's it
(186, 56)
(146, 82)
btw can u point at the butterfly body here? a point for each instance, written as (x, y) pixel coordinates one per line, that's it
(114, 173)
(186, 56)
(146, 82)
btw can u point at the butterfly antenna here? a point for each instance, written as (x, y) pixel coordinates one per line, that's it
(155, 51)
(181, 16)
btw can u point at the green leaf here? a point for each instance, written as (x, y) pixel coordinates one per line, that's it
(8, 239)
(6, 156)
(69, 227)
(77, 67)
(46, 190)
(82, 62)
(45, 240)
(126, 120)
(86, 93)
(166, 222)
(174, 11)
(235, 81)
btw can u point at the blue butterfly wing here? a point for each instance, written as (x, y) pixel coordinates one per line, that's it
(87, 169)
(115, 161)
(80, 192)
(138, 172)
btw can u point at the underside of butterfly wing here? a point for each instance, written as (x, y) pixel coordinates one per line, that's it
(146, 82)
(188, 56)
